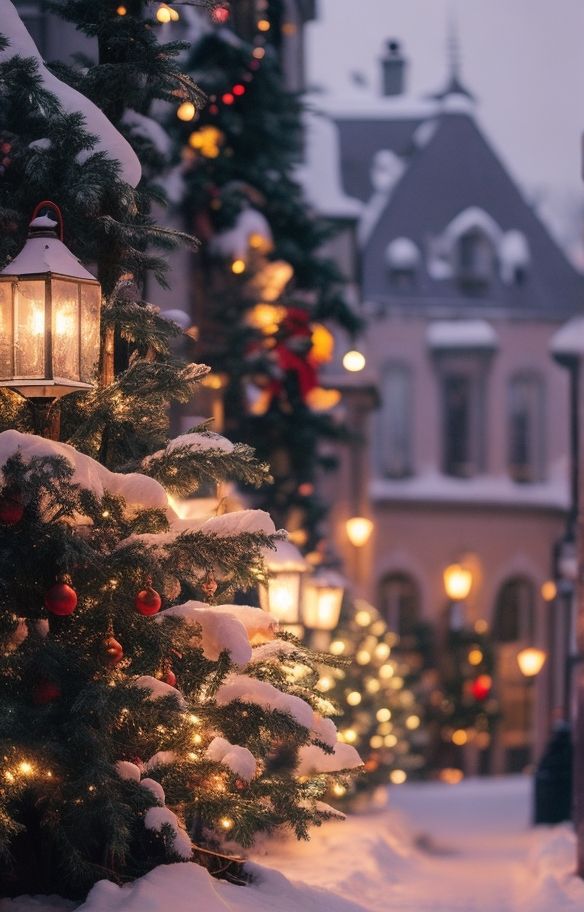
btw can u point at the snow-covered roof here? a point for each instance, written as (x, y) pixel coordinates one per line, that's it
(46, 254)
(461, 334)
(365, 106)
(320, 176)
(109, 140)
(402, 253)
(235, 242)
(568, 341)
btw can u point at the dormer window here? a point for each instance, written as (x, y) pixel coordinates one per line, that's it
(403, 259)
(514, 257)
(475, 257)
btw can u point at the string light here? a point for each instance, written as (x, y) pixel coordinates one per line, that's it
(264, 25)
(373, 686)
(26, 768)
(459, 737)
(475, 656)
(390, 741)
(363, 657)
(376, 741)
(398, 777)
(386, 671)
(382, 651)
(354, 361)
(163, 14)
(413, 722)
(363, 618)
(349, 735)
(227, 823)
(354, 698)
(228, 98)
(337, 647)
(220, 15)
(383, 715)
(121, 11)
(339, 790)
(186, 111)
(259, 53)
(239, 90)
(238, 267)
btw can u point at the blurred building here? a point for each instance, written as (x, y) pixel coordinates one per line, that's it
(466, 458)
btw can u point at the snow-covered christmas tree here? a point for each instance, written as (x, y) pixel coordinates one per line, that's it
(144, 716)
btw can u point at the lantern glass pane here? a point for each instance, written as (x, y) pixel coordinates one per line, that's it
(284, 597)
(322, 606)
(90, 306)
(6, 365)
(65, 307)
(29, 330)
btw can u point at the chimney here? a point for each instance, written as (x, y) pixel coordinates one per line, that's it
(394, 69)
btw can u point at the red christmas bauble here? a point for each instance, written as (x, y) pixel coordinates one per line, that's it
(481, 687)
(11, 509)
(45, 692)
(148, 602)
(209, 587)
(114, 651)
(220, 14)
(170, 678)
(61, 599)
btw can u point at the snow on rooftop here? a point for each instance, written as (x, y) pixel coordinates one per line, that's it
(355, 105)
(461, 334)
(402, 254)
(109, 140)
(321, 176)
(568, 341)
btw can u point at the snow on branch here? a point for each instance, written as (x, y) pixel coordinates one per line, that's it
(313, 759)
(239, 760)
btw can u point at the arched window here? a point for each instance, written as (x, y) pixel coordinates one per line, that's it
(395, 422)
(515, 612)
(399, 603)
(475, 259)
(526, 430)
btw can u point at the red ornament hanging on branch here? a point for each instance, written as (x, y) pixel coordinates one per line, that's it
(45, 691)
(148, 601)
(114, 651)
(209, 587)
(481, 687)
(169, 677)
(61, 599)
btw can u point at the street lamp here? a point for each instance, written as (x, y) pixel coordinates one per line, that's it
(359, 530)
(282, 593)
(323, 598)
(457, 582)
(531, 661)
(49, 319)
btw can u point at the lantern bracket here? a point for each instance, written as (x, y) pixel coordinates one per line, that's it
(49, 204)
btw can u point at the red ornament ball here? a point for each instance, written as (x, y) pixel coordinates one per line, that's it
(148, 602)
(170, 678)
(228, 98)
(209, 587)
(11, 509)
(481, 687)
(114, 651)
(220, 14)
(61, 599)
(238, 89)
(45, 692)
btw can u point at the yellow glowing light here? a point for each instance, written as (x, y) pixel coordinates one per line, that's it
(266, 318)
(398, 777)
(376, 741)
(121, 11)
(475, 657)
(320, 399)
(354, 361)
(238, 267)
(9, 776)
(197, 739)
(549, 591)
(349, 735)
(386, 671)
(259, 53)
(383, 715)
(359, 530)
(373, 686)
(363, 618)
(337, 647)
(531, 661)
(163, 14)
(26, 768)
(339, 790)
(481, 626)
(451, 775)
(385, 728)
(207, 141)
(382, 651)
(174, 14)
(457, 582)
(264, 25)
(396, 682)
(258, 241)
(390, 740)
(194, 720)
(363, 657)
(354, 698)
(186, 111)
(459, 737)
(227, 823)
(413, 722)
(323, 344)
(325, 684)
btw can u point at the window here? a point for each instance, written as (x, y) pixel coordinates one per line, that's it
(400, 603)
(476, 259)
(515, 612)
(526, 431)
(462, 403)
(34, 20)
(395, 422)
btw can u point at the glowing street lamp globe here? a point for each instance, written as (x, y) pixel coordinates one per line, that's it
(457, 582)
(531, 661)
(49, 316)
(359, 529)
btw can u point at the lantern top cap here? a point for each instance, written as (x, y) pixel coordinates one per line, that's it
(45, 253)
(286, 558)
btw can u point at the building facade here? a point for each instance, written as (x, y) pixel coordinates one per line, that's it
(465, 459)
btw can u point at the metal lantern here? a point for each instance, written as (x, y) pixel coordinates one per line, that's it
(49, 316)
(323, 598)
(282, 594)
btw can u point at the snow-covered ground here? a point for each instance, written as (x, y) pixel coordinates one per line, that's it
(430, 848)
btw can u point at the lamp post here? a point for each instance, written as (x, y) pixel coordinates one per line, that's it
(282, 594)
(457, 585)
(49, 321)
(321, 609)
(531, 661)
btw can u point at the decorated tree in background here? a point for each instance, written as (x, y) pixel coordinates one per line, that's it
(145, 718)
(262, 286)
(381, 699)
